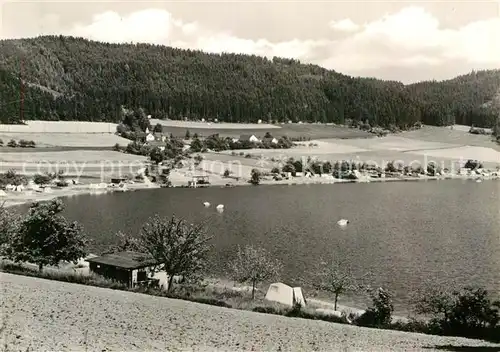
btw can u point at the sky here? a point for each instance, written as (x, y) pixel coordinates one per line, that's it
(394, 40)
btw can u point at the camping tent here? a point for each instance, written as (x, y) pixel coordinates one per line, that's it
(284, 294)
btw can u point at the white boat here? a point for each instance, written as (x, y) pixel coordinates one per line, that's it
(342, 222)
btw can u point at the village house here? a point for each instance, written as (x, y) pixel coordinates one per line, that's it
(130, 268)
(249, 138)
(150, 137)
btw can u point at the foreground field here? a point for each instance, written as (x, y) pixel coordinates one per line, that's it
(42, 315)
(78, 163)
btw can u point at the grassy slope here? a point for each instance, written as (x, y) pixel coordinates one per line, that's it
(42, 314)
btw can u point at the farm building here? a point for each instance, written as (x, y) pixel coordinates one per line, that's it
(270, 140)
(198, 180)
(157, 144)
(249, 138)
(130, 268)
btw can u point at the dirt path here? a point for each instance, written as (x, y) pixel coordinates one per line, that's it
(45, 315)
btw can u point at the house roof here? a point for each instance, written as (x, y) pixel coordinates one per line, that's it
(158, 134)
(269, 139)
(124, 260)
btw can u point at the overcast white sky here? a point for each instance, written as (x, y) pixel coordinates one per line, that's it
(398, 40)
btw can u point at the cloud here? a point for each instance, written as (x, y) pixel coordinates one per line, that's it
(409, 39)
(345, 25)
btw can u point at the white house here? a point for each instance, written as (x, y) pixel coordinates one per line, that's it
(249, 138)
(150, 137)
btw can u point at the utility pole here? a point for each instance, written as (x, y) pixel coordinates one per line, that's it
(21, 106)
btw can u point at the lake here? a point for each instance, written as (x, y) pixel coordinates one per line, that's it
(404, 233)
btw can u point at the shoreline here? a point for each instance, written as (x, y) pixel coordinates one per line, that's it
(20, 198)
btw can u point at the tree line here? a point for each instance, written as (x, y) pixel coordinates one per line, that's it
(68, 78)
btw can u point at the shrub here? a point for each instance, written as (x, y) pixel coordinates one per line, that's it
(255, 177)
(12, 143)
(23, 143)
(275, 170)
(1, 143)
(227, 173)
(117, 148)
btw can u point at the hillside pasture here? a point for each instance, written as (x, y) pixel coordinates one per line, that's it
(457, 136)
(313, 131)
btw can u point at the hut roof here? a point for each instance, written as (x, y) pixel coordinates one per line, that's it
(125, 260)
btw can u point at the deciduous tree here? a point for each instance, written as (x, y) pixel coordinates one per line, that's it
(254, 265)
(179, 248)
(45, 237)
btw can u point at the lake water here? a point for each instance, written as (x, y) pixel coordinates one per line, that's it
(404, 233)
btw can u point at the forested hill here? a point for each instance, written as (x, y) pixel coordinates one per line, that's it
(472, 99)
(75, 79)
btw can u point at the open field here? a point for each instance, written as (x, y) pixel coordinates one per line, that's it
(36, 126)
(219, 125)
(83, 140)
(42, 315)
(64, 134)
(313, 131)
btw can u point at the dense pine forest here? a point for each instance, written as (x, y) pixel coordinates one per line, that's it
(68, 78)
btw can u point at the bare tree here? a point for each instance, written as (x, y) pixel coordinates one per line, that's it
(337, 279)
(254, 265)
(179, 248)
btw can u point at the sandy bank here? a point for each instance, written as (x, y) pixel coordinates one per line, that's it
(42, 315)
(17, 198)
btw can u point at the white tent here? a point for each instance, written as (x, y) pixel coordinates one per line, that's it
(284, 294)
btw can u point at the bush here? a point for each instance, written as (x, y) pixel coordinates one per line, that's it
(467, 312)
(12, 143)
(275, 170)
(117, 148)
(379, 315)
(227, 173)
(1, 143)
